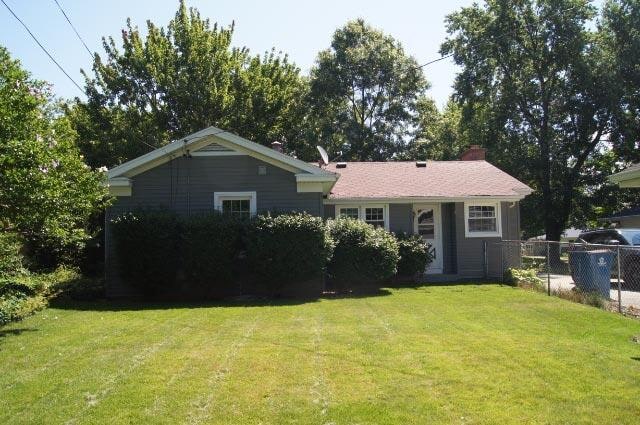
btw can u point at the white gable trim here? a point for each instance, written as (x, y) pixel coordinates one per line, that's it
(204, 137)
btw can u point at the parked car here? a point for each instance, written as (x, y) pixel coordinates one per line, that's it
(629, 242)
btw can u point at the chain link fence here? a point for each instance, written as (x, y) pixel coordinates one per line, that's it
(611, 272)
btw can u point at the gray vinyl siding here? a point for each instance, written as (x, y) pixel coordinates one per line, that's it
(470, 251)
(449, 254)
(329, 211)
(187, 186)
(401, 218)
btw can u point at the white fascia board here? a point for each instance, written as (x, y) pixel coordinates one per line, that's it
(119, 186)
(334, 201)
(201, 138)
(270, 153)
(315, 183)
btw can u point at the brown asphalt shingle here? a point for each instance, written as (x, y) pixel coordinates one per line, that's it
(400, 179)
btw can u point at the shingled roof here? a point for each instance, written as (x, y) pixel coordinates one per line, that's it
(438, 179)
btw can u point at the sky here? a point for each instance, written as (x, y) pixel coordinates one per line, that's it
(301, 30)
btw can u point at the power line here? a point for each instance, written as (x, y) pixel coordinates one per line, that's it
(42, 47)
(74, 28)
(434, 61)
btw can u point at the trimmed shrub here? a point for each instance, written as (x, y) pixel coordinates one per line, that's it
(414, 255)
(147, 244)
(287, 248)
(11, 260)
(363, 253)
(211, 243)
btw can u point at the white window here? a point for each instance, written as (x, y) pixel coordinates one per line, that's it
(373, 214)
(239, 204)
(349, 212)
(482, 219)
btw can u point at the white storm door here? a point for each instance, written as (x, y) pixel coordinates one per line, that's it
(428, 224)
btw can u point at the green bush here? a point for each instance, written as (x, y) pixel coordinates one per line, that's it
(524, 278)
(287, 248)
(211, 242)
(148, 245)
(11, 260)
(25, 293)
(363, 253)
(415, 256)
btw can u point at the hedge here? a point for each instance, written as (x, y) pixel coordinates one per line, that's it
(210, 244)
(287, 248)
(148, 248)
(363, 253)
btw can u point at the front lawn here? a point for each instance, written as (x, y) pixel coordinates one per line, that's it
(448, 354)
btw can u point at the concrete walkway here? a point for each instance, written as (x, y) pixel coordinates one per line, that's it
(628, 298)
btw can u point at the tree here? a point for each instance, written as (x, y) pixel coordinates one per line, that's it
(181, 79)
(364, 94)
(542, 91)
(440, 136)
(47, 192)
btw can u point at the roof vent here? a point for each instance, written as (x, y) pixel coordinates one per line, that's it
(421, 164)
(341, 165)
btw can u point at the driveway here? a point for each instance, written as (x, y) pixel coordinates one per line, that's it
(628, 298)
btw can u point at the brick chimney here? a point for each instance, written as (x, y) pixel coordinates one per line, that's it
(474, 153)
(276, 146)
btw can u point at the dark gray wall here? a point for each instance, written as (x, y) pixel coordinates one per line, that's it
(461, 255)
(449, 255)
(329, 211)
(471, 262)
(187, 186)
(401, 218)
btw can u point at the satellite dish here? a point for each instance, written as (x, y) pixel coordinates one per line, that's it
(323, 155)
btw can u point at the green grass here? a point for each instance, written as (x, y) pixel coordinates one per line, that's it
(447, 354)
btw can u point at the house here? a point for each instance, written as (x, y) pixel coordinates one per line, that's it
(629, 177)
(457, 206)
(627, 219)
(568, 235)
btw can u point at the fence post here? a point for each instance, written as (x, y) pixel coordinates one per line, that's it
(619, 286)
(548, 270)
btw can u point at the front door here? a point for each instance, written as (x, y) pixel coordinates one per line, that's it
(427, 223)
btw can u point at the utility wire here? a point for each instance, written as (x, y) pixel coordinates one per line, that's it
(434, 61)
(74, 28)
(42, 47)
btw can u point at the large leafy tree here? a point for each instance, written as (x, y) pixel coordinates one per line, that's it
(47, 192)
(440, 135)
(364, 94)
(178, 80)
(544, 93)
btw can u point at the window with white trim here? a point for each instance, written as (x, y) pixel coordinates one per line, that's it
(376, 215)
(236, 207)
(349, 212)
(482, 219)
(237, 204)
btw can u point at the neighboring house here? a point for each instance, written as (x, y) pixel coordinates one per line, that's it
(568, 235)
(626, 219)
(456, 206)
(629, 177)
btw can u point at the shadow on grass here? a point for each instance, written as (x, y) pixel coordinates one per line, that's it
(14, 332)
(139, 304)
(636, 359)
